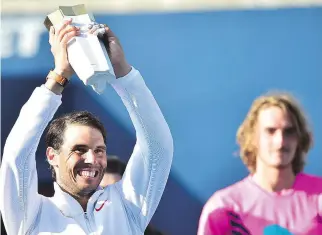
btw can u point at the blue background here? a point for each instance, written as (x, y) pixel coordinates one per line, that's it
(204, 69)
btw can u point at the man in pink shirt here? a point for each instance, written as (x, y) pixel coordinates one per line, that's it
(276, 198)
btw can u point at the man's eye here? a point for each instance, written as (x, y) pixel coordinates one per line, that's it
(290, 131)
(270, 130)
(100, 151)
(80, 151)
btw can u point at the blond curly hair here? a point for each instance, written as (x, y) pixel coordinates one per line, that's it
(246, 131)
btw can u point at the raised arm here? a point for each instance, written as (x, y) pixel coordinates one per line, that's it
(19, 199)
(148, 169)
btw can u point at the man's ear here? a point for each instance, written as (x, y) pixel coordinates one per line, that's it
(52, 156)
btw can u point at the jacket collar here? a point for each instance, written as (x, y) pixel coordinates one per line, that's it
(68, 205)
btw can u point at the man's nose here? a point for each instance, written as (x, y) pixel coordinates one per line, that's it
(279, 139)
(90, 157)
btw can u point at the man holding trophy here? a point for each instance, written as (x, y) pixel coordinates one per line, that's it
(76, 151)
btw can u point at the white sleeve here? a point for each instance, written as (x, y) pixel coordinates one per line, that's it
(148, 169)
(19, 198)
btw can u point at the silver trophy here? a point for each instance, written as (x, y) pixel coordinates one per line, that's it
(86, 52)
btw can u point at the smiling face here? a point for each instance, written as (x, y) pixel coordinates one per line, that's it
(81, 161)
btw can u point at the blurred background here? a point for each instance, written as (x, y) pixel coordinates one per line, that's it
(205, 61)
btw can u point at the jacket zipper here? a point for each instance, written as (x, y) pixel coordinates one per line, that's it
(88, 223)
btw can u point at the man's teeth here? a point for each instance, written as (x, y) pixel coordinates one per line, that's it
(87, 173)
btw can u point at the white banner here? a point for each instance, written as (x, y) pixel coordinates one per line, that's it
(124, 6)
(20, 36)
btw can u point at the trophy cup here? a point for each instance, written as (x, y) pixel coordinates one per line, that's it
(86, 52)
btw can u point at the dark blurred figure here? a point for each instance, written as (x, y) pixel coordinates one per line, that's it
(113, 173)
(3, 230)
(152, 231)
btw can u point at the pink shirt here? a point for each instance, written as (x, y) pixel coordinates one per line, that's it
(245, 208)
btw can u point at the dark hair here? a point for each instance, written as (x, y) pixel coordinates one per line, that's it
(115, 165)
(55, 133)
